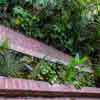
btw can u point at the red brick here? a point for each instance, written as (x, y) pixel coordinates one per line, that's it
(22, 86)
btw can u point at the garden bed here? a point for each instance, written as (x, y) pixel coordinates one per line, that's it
(65, 70)
(71, 27)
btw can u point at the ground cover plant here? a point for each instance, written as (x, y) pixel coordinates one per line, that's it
(14, 64)
(72, 26)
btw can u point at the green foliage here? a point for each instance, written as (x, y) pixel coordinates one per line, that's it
(26, 21)
(12, 64)
(71, 71)
(45, 71)
(72, 26)
(8, 64)
(21, 12)
(98, 71)
(69, 74)
(79, 78)
(2, 2)
(43, 3)
(67, 24)
(10, 61)
(4, 44)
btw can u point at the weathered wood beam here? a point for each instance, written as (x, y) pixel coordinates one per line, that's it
(21, 43)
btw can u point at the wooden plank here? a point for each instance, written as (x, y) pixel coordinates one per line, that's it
(10, 87)
(32, 47)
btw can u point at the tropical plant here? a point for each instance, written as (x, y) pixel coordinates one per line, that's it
(72, 26)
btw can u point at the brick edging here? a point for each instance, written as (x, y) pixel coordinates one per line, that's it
(22, 87)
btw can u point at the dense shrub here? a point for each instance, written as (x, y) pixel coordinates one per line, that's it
(72, 26)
